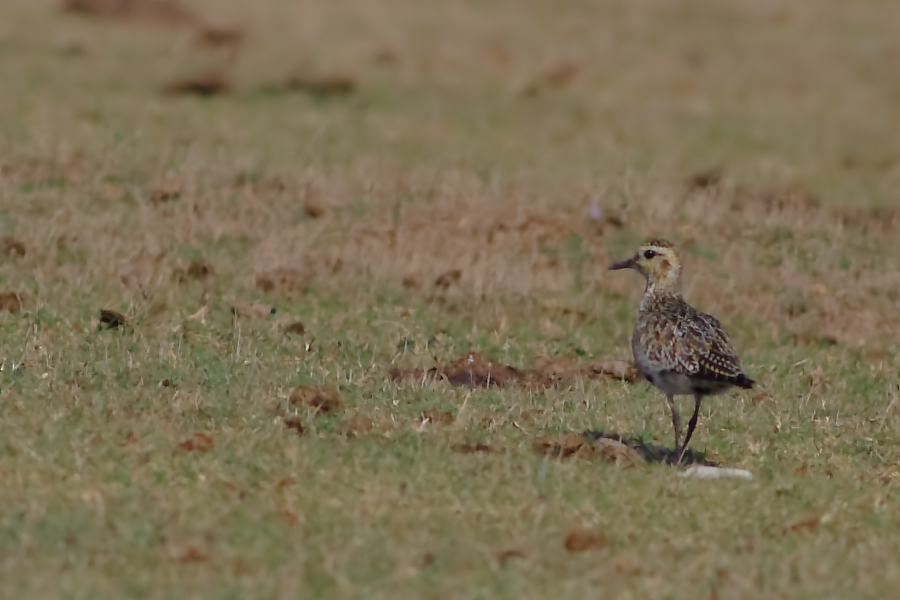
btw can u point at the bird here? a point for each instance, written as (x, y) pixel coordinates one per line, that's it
(677, 348)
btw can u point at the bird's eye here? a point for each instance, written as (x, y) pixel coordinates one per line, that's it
(648, 254)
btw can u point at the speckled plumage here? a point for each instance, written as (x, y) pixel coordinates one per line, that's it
(677, 348)
(672, 336)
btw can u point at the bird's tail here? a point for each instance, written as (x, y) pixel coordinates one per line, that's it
(744, 382)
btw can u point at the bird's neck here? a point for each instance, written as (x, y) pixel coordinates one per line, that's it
(661, 291)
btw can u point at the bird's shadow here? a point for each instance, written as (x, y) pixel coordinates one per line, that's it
(651, 452)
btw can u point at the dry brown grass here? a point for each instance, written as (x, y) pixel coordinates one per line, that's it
(284, 406)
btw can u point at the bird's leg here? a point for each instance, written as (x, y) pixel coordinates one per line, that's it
(676, 420)
(691, 425)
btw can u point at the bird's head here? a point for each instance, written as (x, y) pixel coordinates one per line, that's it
(658, 261)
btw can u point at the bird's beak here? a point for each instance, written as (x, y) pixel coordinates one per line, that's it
(625, 264)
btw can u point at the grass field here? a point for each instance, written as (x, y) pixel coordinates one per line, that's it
(407, 183)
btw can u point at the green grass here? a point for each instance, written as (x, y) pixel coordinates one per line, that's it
(439, 162)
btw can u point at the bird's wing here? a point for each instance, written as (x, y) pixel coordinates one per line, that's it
(701, 348)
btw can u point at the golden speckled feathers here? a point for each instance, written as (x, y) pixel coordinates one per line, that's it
(673, 336)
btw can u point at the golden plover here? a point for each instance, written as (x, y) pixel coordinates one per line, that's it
(676, 347)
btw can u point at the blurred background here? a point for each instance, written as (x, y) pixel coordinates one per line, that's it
(770, 93)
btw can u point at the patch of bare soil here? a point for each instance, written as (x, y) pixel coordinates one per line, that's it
(474, 370)
(626, 452)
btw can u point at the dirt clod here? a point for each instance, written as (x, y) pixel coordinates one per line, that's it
(616, 452)
(555, 77)
(244, 308)
(474, 370)
(199, 442)
(438, 417)
(560, 367)
(192, 555)
(315, 210)
(295, 328)
(702, 180)
(355, 425)
(286, 279)
(623, 370)
(561, 446)
(10, 302)
(445, 280)
(802, 525)
(582, 540)
(209, 84)
(322, 400)
(413, 375)
(112, 319)
(165, 191)
(627, 564)
(11, 247)
(504, 556)
(199, 270)
(468, 448)
(607, 449)
(294, 423)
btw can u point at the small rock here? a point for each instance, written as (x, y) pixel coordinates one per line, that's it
(705, 472)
